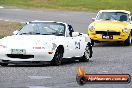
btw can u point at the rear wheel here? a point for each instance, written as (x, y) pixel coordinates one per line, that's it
(87, 54)
(57, 60)
(128, 41)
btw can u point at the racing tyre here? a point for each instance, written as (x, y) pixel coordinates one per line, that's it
(128, 41)
(87, 54)
(92, 42)
(57, 57)
(4, 64)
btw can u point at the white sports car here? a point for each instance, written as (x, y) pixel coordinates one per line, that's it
(40, 41)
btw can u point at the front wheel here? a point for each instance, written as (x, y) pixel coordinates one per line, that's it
(128, 41)
(57, 59)
(87, 54)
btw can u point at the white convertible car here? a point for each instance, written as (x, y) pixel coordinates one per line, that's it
(40, 41)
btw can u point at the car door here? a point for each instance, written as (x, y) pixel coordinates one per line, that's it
(70, 47)
(75, 44)
(79, 46)
(69, 43)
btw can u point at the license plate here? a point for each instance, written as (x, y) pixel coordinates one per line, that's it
(107, 37)
(18, 51)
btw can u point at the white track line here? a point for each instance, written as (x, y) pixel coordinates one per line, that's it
(37, 87)
(39, 77)
(1, 7)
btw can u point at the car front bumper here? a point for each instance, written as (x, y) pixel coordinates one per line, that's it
(98, 37)
(31, 55)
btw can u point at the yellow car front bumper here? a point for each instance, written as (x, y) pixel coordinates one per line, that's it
(101, 38)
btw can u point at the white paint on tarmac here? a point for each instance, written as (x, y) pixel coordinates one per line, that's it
(39, 77)
(1, 7)
(105, 71)
(6, 20)
(2, 19)
(37, 87)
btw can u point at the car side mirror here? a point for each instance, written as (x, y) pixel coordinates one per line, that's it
(130, 18)
(75, 34)
(93, 19)
(15, 32)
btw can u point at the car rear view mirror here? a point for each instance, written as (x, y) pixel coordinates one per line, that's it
(75, 34)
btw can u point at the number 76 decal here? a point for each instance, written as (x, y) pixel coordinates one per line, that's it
(77, 45)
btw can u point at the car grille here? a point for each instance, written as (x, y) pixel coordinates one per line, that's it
(107, 33)
(20, 56)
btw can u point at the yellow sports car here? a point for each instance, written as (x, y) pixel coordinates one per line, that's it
(110, 26)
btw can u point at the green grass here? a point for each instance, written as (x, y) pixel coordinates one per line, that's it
(79, 5)
(7, 28)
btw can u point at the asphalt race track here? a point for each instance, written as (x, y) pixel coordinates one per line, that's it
(108, 58)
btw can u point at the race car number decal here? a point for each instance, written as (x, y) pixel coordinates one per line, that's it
(77, 45)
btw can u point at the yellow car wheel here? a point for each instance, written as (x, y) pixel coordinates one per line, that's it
(128, 41)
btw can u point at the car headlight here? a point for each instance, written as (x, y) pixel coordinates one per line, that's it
(2, 46)
(91, 28)
(125, 30)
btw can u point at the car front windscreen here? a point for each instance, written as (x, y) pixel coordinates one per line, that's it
(43, 28)
(118, 16)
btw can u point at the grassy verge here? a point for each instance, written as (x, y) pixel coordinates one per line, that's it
(6, 28)
(80, 5)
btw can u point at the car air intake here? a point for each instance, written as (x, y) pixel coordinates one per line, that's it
(21, 56)
(107, 33)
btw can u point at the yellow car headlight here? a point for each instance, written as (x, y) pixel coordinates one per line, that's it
(125, 30)
(91, 28)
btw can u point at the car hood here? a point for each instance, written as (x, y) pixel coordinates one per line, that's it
(26, 41)
(110, 25)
